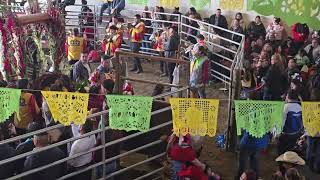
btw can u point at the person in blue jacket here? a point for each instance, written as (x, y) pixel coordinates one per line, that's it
(250, 148)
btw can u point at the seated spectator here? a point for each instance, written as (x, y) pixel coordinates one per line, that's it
(239, 18)
(80, 146)
(290, 49)
(313, 50)
(256, 29)
(6, 151)
(302, 59)
(249, 175)
(105, 66)
(127, 88)
(289, 160)
(219, 20)
(44, 158)
(293, 174)
(193, 11)
(27, 145)
(276, 29)
(238, 29)
(29, 109)
(292, 123)
(113, 7)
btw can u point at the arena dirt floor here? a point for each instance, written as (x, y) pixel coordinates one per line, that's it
(222, 162)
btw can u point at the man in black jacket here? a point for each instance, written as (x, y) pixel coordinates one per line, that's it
(44, 158)
(170, 49)
(219, 20)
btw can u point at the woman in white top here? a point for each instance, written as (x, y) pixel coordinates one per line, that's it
(80, 146)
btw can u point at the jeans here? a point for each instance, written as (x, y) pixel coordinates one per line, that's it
(146, 44)
(245, 154)
(176, 166)
(109, 168)
(135, 47)
(170, 66)
(313, 153)
(105, 6)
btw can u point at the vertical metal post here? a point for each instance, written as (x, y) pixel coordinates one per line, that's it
(95, 27)
(103, 142)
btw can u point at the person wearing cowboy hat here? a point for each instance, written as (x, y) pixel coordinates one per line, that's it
(289, 160)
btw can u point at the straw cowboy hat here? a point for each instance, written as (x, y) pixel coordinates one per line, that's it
(291, 157)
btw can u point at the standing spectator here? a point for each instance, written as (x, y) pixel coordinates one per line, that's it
(3, 83)
(29, 109)
(171, 47)
(300, 34)
(136, 33)
(175, 18)
(112, 41)
(81, 69)
(256, 29)
(147, 22)
(274, 80)
(199, 73)
(292, 123)
(313, 50)
(76, 45)
(219, 20)
(44, 158)
(276, 29)
(80, 146)
(191, 31)
(250, 148)
(112, 7)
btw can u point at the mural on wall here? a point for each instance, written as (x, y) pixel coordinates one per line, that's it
(291, 11)
(170, 3)
(231, 4)
(138, 2)
(200, 4)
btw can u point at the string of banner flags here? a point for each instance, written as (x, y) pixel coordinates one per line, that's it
(190, 116)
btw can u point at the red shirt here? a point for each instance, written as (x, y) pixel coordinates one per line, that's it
(185, 154)
(193, 172)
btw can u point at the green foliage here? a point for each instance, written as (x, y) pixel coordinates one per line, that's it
(291, 11)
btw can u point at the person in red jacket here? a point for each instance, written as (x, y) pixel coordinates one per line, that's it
(300, 33)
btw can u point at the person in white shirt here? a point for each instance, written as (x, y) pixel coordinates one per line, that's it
(80, 146)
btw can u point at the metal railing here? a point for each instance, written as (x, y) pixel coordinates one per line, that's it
(222, 47)
(102, 147)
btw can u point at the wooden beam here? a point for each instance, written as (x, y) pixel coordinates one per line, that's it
(33, 18)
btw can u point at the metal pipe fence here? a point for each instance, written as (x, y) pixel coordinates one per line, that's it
(103, 146)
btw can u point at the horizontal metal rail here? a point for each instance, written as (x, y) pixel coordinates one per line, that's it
(149, 82)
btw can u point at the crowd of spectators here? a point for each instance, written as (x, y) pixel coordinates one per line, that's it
(277, 67)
